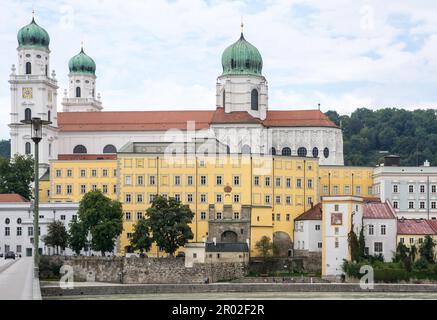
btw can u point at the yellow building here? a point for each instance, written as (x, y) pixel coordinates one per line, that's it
(341, 180)
(234, 197)
(412, 232)
(74, 175)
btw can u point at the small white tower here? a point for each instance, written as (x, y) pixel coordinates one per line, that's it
(33, 94)
(242, 87)
(82, 85)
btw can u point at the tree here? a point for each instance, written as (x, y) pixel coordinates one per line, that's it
(141, 239)
(362, 244)
(16, 175)
(103, 218)
(413, 253)
(426, 250)
(353, 246)
(77, 239)
(401, 252)
(264, 247)
(57, 236)
(169, 222)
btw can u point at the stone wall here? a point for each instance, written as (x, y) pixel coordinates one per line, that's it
(308, 262)
(151, 270)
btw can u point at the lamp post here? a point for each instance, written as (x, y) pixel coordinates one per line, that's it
(36, 125)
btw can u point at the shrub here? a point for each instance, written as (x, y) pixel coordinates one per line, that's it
(391, 275)
(49, 267)
(421, 264)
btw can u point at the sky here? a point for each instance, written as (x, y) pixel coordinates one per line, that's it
(166, 54)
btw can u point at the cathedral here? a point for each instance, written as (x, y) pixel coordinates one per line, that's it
(242, 120)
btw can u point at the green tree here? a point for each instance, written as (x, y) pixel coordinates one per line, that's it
(16, 175)
(57, 236)
(264, 247)
(413, 253)
(426, 250)
(141, 239)
(103, 218)
(169, 222)
(77, 237)
(401, 252)
(362, 244)
(354, 246)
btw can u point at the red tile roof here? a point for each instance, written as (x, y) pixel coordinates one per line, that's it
(315, 213)
(415, 227)
(165, 120)
(433, 225)
(378, 210)
(12, 197)
(87, 157)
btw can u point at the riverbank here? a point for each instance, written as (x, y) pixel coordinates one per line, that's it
(98, 289)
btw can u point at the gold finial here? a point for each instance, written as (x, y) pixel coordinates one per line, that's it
(242, 24)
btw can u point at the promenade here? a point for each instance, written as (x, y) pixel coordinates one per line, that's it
(16, 279)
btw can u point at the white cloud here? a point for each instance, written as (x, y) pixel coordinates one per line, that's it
(159, 54)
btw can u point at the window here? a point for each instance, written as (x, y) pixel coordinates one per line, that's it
(395, 188)
(152, 180)
(369, 190)
(236, 198)
(27, 114)
(335, 190)
(79, 149)
(267, 199)
(69, 173)
(288, 182)
(358, 190)
(219, 216)
(219, 180)
(7, 231)
(411, 240)
(218, 198)
(336, 207)
(77, 92)
(325, 189)
(433, 205)
(317, 227)
(302, 152)
(378, 247)
(189, 197)
(177, 180)
(58, 189)
(109, 148)
(62, 217)
(411, 205)
(203, 215)
(177, 197)
(402, 240)
(286, 151)
(152, 198)
(93, 173)
(310, 183)
(140, 198)
(224, 99)
(19, 231)
(422, 204)
(114, 188)
(128, 216)
(326, 152)
(395, 204)
(256, 181)
(27, 148)
(236, 216)
(278, 199)
(82, 188)
(83, 173)
(140, 180)
(203, 180)
(278, 217)
(94, 187)
(190, 180)
(336, 244)
(69, 189)
(315, 152)
(422, 188)
(267, 181)
(28, 68)
(410, 188)
(105, 188)
(254, 99)
(299, 183)
(273, 151)
(128, 198)
(433, 188)
(347, 189)
(287, 217)
(128, 180)
(383, 229)
(19, 221)
(203, 198)
(371, 230)
(288, 200)
(273, 217)
(420, 240)
(278, 182)
(58, 173)
(30, 231)
(236, 180)
(49, 115)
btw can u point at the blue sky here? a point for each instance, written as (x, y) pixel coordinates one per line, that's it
(158, 54)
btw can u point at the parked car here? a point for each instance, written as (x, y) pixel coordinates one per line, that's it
(10, 255)
(1, 255)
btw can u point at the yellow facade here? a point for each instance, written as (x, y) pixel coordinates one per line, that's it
(277, 189)
(341, 180)
(71, 179)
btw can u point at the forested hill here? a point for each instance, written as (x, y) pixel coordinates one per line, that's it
(368, 134)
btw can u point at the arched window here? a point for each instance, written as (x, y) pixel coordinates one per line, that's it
(27, 148)
(286, 151)
(254, 100)
(19, 221)
(302, 152)
(27, 114)
(7, 221)
(28, 68)
(49, 115)
(315, 152)
(245, 149)
(326, 152)
(77, 92)
(273, 151)
(224, 98)
(79, 149)
(109, 148)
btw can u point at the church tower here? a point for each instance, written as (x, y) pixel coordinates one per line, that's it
(242, 87)
(81, 96)
(33, 94)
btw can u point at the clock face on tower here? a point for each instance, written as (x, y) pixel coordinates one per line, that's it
(27, 93)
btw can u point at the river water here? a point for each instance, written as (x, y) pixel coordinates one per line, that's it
(261, 296)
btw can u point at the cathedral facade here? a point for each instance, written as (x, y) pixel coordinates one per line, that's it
(241, 120)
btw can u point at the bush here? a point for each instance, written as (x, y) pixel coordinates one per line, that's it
(421, 264)
(49, 267)
(391, 275)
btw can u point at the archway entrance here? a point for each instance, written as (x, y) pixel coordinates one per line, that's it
(229, 236)
(282, 243)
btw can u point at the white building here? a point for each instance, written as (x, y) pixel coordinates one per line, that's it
(308, 230)
(411, 190)
(241, 118)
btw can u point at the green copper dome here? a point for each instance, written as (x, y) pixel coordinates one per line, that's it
(242, 58)
(81, 63)
(33, 36)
